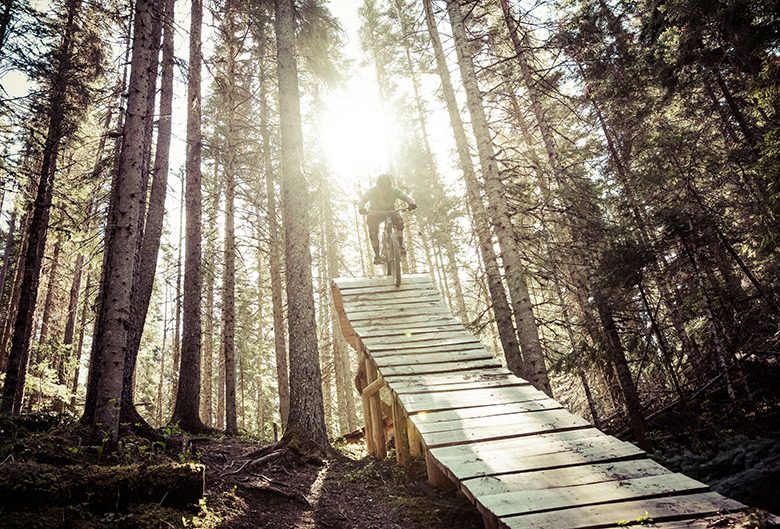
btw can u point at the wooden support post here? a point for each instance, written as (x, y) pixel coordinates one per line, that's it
(368, 429)
(377, 425)
(415, 445)
(489, 520)
(360, 383)
(401, 437)
(436, 477)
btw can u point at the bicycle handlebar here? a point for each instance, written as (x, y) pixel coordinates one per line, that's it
(399, 210)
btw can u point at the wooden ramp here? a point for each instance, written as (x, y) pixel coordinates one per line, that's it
(523, 460)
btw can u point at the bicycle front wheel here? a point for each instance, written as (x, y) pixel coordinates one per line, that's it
(394, 261)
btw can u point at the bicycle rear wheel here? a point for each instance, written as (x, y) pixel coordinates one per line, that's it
(394, 261)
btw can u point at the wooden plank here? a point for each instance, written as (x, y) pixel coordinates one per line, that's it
(420, 338)
(432, 358)
(403, 321)
(618, 514)
(476, 375)
(471, 346)
(423, 369)
(490, 410)
(406, 389)
(524, 424)
(602, 449)
(538, 445)
(527, 412)
(562, 477)
(346, 283)
(468, 398)
(398, 315)
(385, 289)
(390, 303)
(401, 296)
(712, 522)
(404, 330)
(527, 502)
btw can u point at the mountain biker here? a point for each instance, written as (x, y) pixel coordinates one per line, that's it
(382, 198)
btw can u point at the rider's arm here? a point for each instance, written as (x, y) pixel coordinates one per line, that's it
(406, 198)
(362, 202)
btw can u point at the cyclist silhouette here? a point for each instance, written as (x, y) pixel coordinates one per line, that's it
(382, 198)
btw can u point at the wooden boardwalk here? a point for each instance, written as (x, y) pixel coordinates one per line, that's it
(523, 460)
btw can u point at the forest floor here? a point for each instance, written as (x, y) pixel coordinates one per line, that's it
(50, 478)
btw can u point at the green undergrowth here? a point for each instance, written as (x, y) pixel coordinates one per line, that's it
(52, 477)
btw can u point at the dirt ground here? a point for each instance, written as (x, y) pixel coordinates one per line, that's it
(348, 491)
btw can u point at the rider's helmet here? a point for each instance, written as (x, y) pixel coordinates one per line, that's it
(384, 180)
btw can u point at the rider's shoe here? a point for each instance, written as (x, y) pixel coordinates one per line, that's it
(378, 260)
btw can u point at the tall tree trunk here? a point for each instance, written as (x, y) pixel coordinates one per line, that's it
(113, 320)
(229, 270)
(306, 422)
(498, 298)
(533, 355)
(48, 303)
(16, 370)
(275, 260)
(73, 309)
(186, 410)
(207, 403)
(149, 244)
(5, 21)
(7, 249)
(74, 387)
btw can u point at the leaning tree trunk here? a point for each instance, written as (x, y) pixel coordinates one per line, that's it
(275, 260)
(306, 422)
(533, 355)
(498, 299)
(186, 411)
(149, 245)
(122, 232)
(229, 270)
(16, 369)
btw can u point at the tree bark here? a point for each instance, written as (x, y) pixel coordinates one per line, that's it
(229, 270)
(306, 421)
(16, 370)
(535, 369)
(149, 243)
(275, 260)
(186, 410)
(498, 298)
(113, 320)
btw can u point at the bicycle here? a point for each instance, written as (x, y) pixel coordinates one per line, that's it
(390, 249)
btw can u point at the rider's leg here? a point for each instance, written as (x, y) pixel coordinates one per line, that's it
(373, 234)
(398, 224)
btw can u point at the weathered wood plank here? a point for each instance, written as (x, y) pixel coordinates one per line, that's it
(549, 410)
(531, 423)
(392, 305)
(595, 450)
(527, 502)
(423, 369)
(471, 346)
(537, 445)
(617, 514)
(377, 331)
(398, 315)
(562, 477)
(386, 289)
(475, 375)
(404, 389)
(431, 358)
(348, 283)
(401, 296)
(403, 321)
(490, 410)
(420, 338)
(468, 398)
